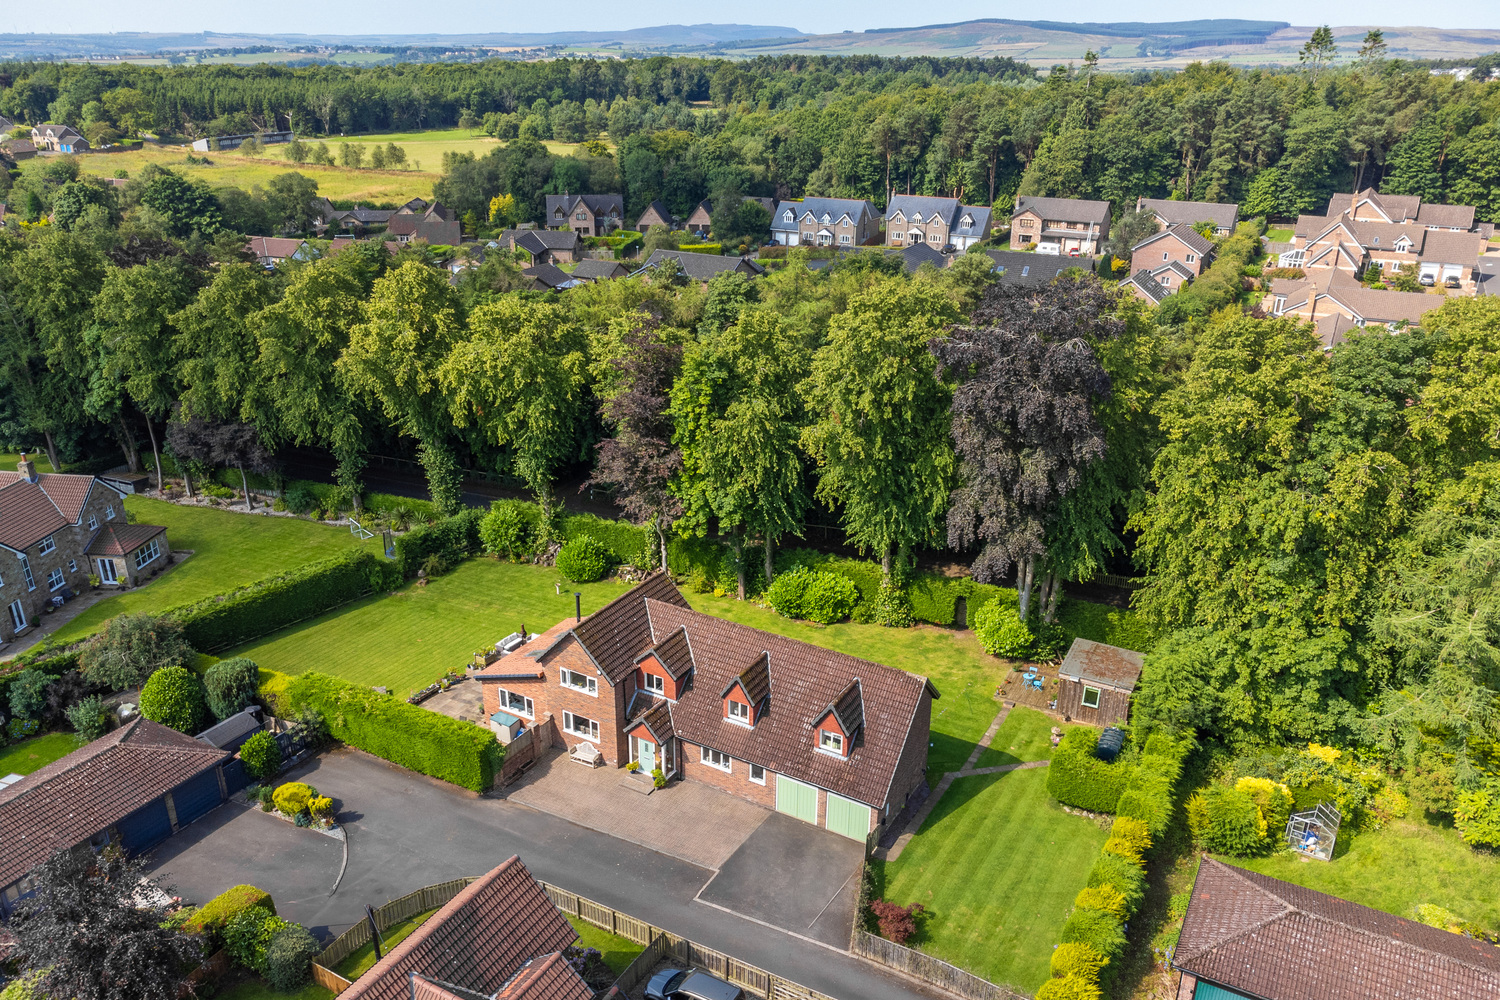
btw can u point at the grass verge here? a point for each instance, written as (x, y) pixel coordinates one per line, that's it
(360, 960)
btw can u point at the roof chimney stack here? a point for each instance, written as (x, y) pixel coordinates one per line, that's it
(26, 468)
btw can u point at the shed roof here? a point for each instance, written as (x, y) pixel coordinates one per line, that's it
(1112, 666)
(116, 539)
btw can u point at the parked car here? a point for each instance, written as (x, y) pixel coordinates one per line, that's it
(1428, 279)
(1075, 252)
(690, 984)
(1452, 281)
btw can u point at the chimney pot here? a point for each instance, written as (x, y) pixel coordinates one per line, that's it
(578, 605)
(26, 468)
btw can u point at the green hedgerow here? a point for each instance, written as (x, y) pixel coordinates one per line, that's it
(211, 918)
(1077, 959)
(583, 560)
(1077, 777)
(173, 696)
(510, 529)
(1227, 821)
(1001, 632)
(261, 755)
(893, 608)
(289, 958)
(1123, 876)
(1099, 929)
(230, 686)
(1070, 987)
(28, 693)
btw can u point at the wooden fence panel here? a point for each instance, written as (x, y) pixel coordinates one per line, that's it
(925, 967)
(329, 980)
(427, 898)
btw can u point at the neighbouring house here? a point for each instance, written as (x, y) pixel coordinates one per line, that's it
(833, 740)
(1066, 226)
(938, 222)
(1250, 935)
(703, 266)
(1015, 267)
(1336, 303)
(360, 220)
(589, 269)
(545, 246)
(134, 787)
(827, 222)
(700, 220)
(1095, 682)
(1175, 245)
(586, 214)
(273, 250)
(1146, 287)
(1189, 213)
(500, 938)
(209, 144)
(656, 214)
(435, 224)
(6, 125)
(914, 256)
(59, 139)
(18, 149)
(549, 277)
(414, 207)
(55, 530)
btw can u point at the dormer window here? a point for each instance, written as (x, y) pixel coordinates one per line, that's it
(916, 217)
(787, 216)
(830, 742)
(825, 218)
(968, 222)
(739, 712)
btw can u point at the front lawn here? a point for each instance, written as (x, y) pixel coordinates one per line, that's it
(406, 641)
(997, 866)
(35, 753)
(230, 550)
(359, 961)
(618, 952)
(1406, 863)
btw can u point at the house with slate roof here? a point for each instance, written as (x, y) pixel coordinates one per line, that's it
(828, 738)
(938, 222)
(703, 266)
(134, 787)
(826, 222)
(500, 938)
(700, 219)
(1189, 213)
(590, 269)
(1066, 226)
(585, 214)
(1145, 287)
(59, 139)
(1015, 267)
(656, 214)
(433, 223)
(56, 530)
(1250, 935)
(1177, 244)
(545, 246)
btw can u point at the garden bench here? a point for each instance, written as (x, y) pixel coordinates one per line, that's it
(586, 753)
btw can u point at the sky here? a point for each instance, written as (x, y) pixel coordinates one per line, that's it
(402, 16)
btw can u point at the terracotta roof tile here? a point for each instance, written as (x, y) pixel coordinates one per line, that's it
(547, 978)
(477, 941)
(71, 799)
(121, 539)
(618, 632)
(657, 717)
(27, 515)
(1095, 661)
(754, 680)
(674, 653)
(1268, 938)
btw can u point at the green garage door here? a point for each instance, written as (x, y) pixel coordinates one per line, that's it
(848, 817)
(796, 799)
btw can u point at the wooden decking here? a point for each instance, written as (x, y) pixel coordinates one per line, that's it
(1015, 691)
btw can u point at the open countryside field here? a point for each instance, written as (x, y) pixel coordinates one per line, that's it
(230, 550)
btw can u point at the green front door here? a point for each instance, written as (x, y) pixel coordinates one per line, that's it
(797, 799)
(646, 754)
(848, 817)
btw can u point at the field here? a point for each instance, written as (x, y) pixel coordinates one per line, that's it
(33, 754)
(997, 865)
(230, 550)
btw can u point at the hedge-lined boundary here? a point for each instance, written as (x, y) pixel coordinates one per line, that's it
(1093, 939)
(1077, 777)
(453, 539)
(414, 738)
(49, 662)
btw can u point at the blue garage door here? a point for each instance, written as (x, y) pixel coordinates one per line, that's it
(196, 796)
(235, 775)
(147, 826)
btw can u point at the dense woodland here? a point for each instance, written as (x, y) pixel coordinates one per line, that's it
(1278, 142)
(1317, 532)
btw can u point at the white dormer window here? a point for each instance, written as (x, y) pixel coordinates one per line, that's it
(825, 218)
(916, 217)
(830, 742)
(787, 216)
(579, 681)
(656, 684)
(968, 222)
(739, 712)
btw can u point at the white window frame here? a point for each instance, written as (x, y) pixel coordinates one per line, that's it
(898, 236)
(109, 512)
(590, 732)
(72, 565)
(55, 579)
(655, 683)
(830, 742)
(934, 237)
(18, 619)
(1192, 258)
(93, 522)
(716, 759)
(737, 712)
(845, 238)
(757, 769)
(585, 685)
(26, 572)
(147, 554)
(526, 710)
(46, 545)
(1098, 694)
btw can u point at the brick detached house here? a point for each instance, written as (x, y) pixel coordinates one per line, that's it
(1189, 213)
(1336, 303)
(656, 214)
(1250, 935)
(434, 223)
(1176, 245)
(55, 530)
(546, 246)
(585, 214)
(1066, 226)
(937, 222)
(700, 220)
(833, 740)
(500, 938)
(827, 222)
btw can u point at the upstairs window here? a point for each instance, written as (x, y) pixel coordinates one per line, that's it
(93, 523)
(109, 512)
(1191, 258)
(579, 682)
(26, 572)
(656, 684)
(830, 742)
(47, 545)
(739, 712)
(786, 216)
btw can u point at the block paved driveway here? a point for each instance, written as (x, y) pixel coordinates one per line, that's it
(407, 831)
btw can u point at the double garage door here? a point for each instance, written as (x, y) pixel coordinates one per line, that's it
(844, 816)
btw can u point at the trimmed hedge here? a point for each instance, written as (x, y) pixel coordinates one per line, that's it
(1076, 777)
(627, 543)
(212, 916)
(583, 560)
(453, 538)
(264, 606)
(422, 741)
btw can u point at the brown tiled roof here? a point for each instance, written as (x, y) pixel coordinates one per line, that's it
(657, 717)
(755, 680)
(617, 633)
(1095, 661)
(673, 652)
(1186, 235)
(547, 978)
(423, 988)
(70, 800)
(478, 941)
(273, 246)
(27, 515)
(121, 539)
(850, 709)
(1443, 247)
(804, 681)
(1220, 214)
(1461, 216)
(1268, 938)
(1379, 305)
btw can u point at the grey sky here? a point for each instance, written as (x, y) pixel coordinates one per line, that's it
(391, 16)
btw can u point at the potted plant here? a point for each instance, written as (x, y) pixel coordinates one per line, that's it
(633, 766)
(658, 779)
(94, 582)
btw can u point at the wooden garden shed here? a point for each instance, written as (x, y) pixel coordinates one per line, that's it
(1095, 682)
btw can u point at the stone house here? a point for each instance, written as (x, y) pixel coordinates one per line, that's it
(828, 738)
(827, 222)
(585, 214)
(1067, 226)
(59, 139)
(57, 529)
(938, 222)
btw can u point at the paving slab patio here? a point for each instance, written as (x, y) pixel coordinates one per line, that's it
(687, 820)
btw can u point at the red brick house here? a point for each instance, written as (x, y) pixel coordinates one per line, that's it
(1175, 244)
(831, 739)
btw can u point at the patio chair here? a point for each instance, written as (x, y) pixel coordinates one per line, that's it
(586, 753)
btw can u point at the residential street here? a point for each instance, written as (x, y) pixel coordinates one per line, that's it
(407, 831)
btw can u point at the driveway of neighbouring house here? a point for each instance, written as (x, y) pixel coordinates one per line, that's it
(407, 831)
(795, 876)
(697, 823)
